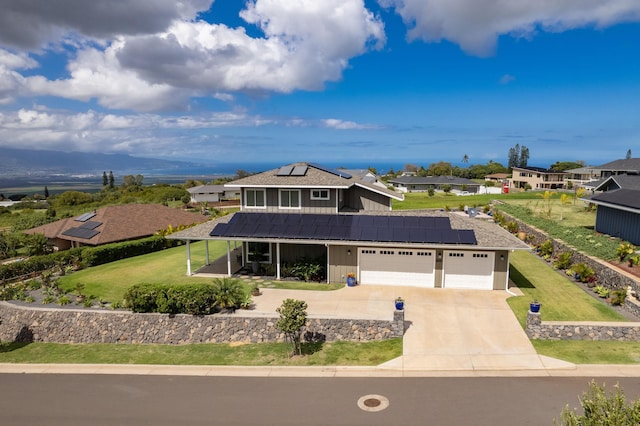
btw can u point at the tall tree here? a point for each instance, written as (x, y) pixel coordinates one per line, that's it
(293, 316)
(628, 157)
(524, 157)
(105, 180)
(111, 180)
(465, 159)
(46, 192)
(514, 156)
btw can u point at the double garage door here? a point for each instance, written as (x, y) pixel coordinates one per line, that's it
(413, 267)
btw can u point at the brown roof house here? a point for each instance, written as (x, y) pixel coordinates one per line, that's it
(114, 223)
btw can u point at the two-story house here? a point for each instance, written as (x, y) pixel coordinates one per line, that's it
(304, 210)
(537, 178)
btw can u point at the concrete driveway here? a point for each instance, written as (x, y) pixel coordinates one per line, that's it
(447, 329)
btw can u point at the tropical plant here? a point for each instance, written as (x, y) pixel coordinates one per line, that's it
(601, 291)
(584, 271)
(602, 408)
(624, 250)
(546, 249)
(229, 293)
(563, 260)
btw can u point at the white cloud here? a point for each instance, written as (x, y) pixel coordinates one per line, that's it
(506, 79)
(306, 44)
(333, 123)
(476, 24)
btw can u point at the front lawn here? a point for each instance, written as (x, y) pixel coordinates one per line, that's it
(269, 354)
(440, 200)
(590, 352)
(561, 299)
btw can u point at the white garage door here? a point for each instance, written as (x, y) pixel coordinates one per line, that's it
(468, 269)
(397, 267)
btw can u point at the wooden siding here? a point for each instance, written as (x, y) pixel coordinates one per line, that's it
(500, 270)
(341, 263)
(618, 223)
(361, 199)
(308, 205)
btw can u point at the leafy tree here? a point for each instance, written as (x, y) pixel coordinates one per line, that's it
(514, 156)
(561, 166)
(441, 168)
(293, 317)
(602, 408)
(524, 157)
(9, 244)
(111, 180)
(73, 198)
(446, 188)
(105, 179)
(373, 170)
(36, 244)
(242, 174)
(410, 168)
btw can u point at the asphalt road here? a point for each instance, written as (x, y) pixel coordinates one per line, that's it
(43, 399)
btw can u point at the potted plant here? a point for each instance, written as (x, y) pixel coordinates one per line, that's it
(534, 306)
(351, 279)
(399, 303)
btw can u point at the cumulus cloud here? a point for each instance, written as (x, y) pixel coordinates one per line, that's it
(29, 24)
(476, 24)
(333, 123)
(305, 44)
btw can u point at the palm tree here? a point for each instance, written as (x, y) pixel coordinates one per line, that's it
(465, 159)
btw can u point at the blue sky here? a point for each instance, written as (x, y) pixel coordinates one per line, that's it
(341, 82)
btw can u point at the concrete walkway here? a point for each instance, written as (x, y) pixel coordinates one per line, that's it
(449, 333)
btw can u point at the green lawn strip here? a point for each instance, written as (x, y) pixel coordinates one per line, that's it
(265, 354)
(421, 200)
(561, 299)
(569, 215)
(590, 352)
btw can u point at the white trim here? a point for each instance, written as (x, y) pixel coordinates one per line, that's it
(264, 192)
(299, 186)
(280, 206)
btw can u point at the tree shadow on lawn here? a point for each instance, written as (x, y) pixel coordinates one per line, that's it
(520, 280)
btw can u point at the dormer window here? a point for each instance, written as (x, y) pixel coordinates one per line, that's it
(319, 194)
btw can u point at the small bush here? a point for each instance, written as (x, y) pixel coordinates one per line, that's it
(64, 300)
(601, 291)
(602, 408)
(585, 273)
(512, 227)
(563, 261)
(624, 250)
(546, 249)
(193, 299)
(618, 296)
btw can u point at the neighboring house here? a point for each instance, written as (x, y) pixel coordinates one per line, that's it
(497, 177)
(537, 178)
(426, 249)
(212, 194)
(582, 176)
(114, 223)
(618, 201)
(620, 167)
(423, 184)
(311, 188)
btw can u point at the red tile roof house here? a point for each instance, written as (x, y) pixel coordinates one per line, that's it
(306, 210)
(113, 224)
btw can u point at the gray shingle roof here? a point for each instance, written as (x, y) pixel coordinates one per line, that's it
(631, 164)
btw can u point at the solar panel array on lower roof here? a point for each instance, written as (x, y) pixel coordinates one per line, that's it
(83, 233)
(85, 217)
(90, 224)
(396, 229)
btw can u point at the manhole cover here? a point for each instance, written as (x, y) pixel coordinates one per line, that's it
(373, 403)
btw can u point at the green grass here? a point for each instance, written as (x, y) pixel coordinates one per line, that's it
(590, 352)
(270, 354)
(569, 215)
(421, 200)
(561, 299)
(110, 281)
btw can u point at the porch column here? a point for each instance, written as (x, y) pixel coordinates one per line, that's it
(328, 264)
(278, 261)
(229, 257)
(188, 257)
(206, 251)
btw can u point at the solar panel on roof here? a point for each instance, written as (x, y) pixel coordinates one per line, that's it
(336, 172)
(81, 233)
(299, 171)
(284, 171)
(85, 217)
(90, 224)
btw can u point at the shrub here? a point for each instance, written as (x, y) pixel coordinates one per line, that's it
(602, 408)
(624, 250)
(585, 273)
(307, 269)
(546, 249)
(193, 299)
(64, 300)
(563, 261)
(618, 296)
(601, 291)
(229, 293)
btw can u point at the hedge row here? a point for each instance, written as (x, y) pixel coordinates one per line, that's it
(194, 299)
(89, 256)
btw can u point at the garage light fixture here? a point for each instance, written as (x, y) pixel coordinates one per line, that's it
(349, 252)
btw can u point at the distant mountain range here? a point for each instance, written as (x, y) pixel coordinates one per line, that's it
(22, 162)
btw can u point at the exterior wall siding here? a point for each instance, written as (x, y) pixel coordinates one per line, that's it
(501, 270)
(361, 199)
(341, 263)
(618, 223)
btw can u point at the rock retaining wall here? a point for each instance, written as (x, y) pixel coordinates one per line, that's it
(561, 330)
(607, 276)
(81, 326)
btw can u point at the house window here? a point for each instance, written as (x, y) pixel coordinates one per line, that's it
(319, 194)
(255, 198)
(289, 198)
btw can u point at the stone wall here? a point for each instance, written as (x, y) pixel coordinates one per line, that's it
(561, 330)
(607, 276)
(83, 326)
